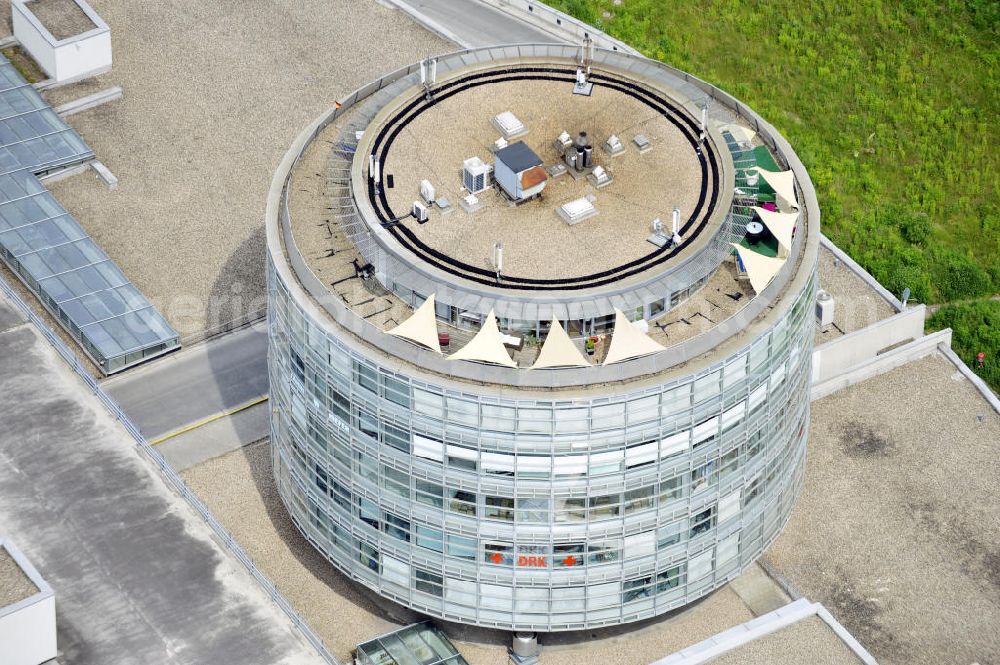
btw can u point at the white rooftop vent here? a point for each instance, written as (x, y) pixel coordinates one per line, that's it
(576, 211)
(427, 191)
(509, 125)
(599, 177)
(476, 175)
(613, 146)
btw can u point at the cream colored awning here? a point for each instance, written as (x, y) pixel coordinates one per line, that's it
(781, 225)
(559, 350)
(760, 269)
(421, 327)
(628, 342)
(487, 346)
(783, 184)
(740, 133)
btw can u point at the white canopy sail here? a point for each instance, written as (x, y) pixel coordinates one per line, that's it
(783, 184)
(781, 225)
(487, 346)
(421, 327)
(628, 342)
(559, 350)
(759, 268)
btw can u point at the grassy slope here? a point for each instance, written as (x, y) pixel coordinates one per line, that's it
(893, 107)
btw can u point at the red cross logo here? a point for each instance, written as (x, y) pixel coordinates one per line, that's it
(569, 561)
(496, 558)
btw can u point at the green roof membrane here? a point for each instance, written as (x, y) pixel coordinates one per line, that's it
(42, 243)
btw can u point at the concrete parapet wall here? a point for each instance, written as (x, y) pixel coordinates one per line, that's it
(861, 272)
(844, 353)
(860, 371)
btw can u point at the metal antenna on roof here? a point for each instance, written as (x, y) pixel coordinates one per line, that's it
(676, 238)
(373, 171)
(428, 76)
(498, 258)
(582, 86)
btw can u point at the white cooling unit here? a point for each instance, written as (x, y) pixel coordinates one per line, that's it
(824, 309)
(476, 175)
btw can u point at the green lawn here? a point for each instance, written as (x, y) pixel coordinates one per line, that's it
(893, 106)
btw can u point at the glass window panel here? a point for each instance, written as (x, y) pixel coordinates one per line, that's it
(462, 547)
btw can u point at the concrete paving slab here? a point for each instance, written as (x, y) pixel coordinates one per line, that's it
(137, 576)
(758, 591)
(218, 437)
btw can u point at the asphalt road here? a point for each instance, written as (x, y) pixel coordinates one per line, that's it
(475, 24)
(195, 383)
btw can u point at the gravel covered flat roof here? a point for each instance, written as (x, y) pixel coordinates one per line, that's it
(63, 18)
(897, 529)
(14, 583)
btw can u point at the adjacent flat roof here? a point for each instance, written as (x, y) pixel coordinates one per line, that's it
(139, 576)
(46, 247)
(896, 529)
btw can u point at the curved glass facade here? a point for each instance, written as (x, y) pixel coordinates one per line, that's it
(598, 506)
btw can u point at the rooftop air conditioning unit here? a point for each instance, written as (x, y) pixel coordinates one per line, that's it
(419, 211)
(824, 309)
(476, 175)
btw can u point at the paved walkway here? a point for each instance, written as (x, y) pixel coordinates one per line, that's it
(137, 577)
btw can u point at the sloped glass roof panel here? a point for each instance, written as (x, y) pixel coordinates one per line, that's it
(46, 246)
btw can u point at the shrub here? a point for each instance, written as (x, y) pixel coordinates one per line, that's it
(976, 329)
(957, 276)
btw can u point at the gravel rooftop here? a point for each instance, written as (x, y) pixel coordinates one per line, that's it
(897, 531)
(212, 100)
(537, 243)
(239, 490)
(6, 30)
(63, 18)
(14, 584)
(857, 304)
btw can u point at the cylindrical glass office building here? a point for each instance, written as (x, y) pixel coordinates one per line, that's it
(504, 493)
